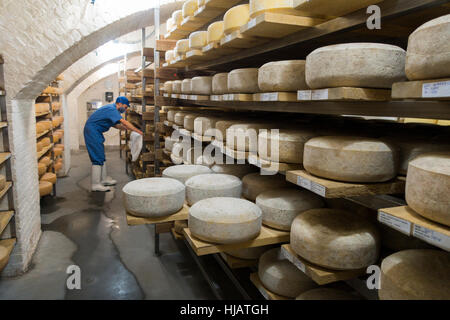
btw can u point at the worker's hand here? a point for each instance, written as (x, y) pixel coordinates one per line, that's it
(140, 132)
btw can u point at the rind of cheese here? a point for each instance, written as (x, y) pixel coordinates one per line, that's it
(182, 46)
(243, 80)
(248, 253)
(183, 172)
(50, 177)
(39, 146)
(186, 86)
(276, 6)
(168, 87)
(189, 8)
(220, 83)
(176, 86)
(288, 75)
(215, 31)
(45, 142)
(42, 168)
(212, 185)
(169, 55)
(205, 125)
(189, 120)
(179, 117)
(202, 85)
(198, 39)
(177, 17)
(45, 188)
(170, 24)
(236, 17)
(222, 126)
(253, 184)
(244, 136)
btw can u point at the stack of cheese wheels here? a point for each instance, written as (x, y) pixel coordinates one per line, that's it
(280, 206)
(182, 47)
(179, 117)
(202, 85)
(225, 220)
(428, 185)
(45, 188)
(176, 86)
(205, 126)
(243, 80)
(39, 146)
(237, 170)
(189, 8)
(335, 239)
(45, 142)
(244, 136)
(215, 32)
(154, 197)
(41, 169)
(177, 17)
(368, 65)
(248, 253)
(170, 25)
(288, 75)
(327, 294)
(189, 120)
(220, 83)
(254, 184)
(183, 172)
(428, 53)
(2, 182)
(197, 40)
(50, 177)
(351, 159)
(186, 86)
(168, 87)
(288, 144)
(170, 56)
(276, 6)
(236, 17)
(415, 275)
(281, 277)
(212, 185)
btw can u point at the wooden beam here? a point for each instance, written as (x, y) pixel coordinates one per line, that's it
(165, 45)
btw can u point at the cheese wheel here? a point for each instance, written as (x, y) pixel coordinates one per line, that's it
(186, 86)
(45, 142)
(191, 154)
(49, 176)
(248, 253)
(212, 185)
(42, 107)
(189, 8)
(415, 275)
(176, 86)
(179, 118)
(428, 185)
(56, 137)
(220, 83)
(57, 151)
(188, 121)
(41, 168)
(168, 87)
(45, 160)
(45, 188)
(47, 125)
(202, 85)
(170, 24)
(215, 31)
(60, 146)
(55, 123)
(237, 170)
(2, 182)
(205, 160)
(169, 56)
(253, 184)
(200, 3)
(169, 142)
(58, 166)
(275, 6)
(177, 17)
(280, 276)
(179, 149)
(428, 53)
(335, 239)
(351, 159)
(236, 17)
(171, 115)
(288, 75)
(184, 172)
(244, 136)
(153, 197)
(327, 294)
(39, 146)
(287, 145)
(205, 126)
(280, 206)
(368, 65)
(39, 128)
(198, 39)
(182, 46)
(233, 220)
(243, 80)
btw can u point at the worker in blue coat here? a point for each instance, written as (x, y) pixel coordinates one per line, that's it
(101, 121)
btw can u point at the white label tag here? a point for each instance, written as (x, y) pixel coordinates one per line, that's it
(318, 189)
(300, 265)
(319, 94)
(396, 223)
(251, 23)
(435, 238)
(193, 97)
(270, 96)
(439, 89)
(216, 97)
(304, 183)
(226, 97)
(183, 96)
(304, 95)
(253, 161)
(231, 96)
(228, 38)
(166, 123)
(166, 95)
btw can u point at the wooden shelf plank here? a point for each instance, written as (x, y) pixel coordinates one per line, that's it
(44, 151)
(5, 189)
(275, 96)
(4, 156)
(42, 114)
(200, 138)
(176, 235)
(237, 97)
(422, 90)
(5, 217)
(6, 247)
(255, 160)
(236, 40)
(335, 189)
(236, 263)
(42, 134)
(3, 124)
(183, 214)
(344, 94)
(268, 295)
(266, 237)
(405, 220)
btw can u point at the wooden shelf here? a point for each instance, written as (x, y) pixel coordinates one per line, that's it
(6, 247)
(183, 214)
(266, 237)
(4, 156)
(405, 220)
(236, 40)
(422, 90)
(335, 189)
(3, 124)
(5, 217)
(268, 295)
(236, 263)
(320, 275)
(270, 165)
(275, 96)
(176, 235)
(5, 189)
(238, 155)
(44, 151)
(42, 134)
(42, 114)
(344, 94)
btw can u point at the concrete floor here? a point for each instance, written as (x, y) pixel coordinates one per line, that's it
(116, 261)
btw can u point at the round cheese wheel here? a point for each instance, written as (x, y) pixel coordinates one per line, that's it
(327, 294)
(50, 177)
(45, 160)
(46, 124)
(42, 107)
(170, 24)
(60, 146)
(215, 31)
(191, 154)
(2, 182)
(351, 159)
(335, 239)
(45, 188)
(220, 83)
(169, 55)
(248, 253)
(179, 149)
(179, 225)
(291, 144)
(39, 146)
(236, 17)
(222, 126)
(428, 53)
(171, 115)
(202, 85)
(280, 206)
(186, 87)
(57, 151)
(233, 220)
(168, 87)
(184, 172)
(237, 170)
(189, 8)
(56, 137)
(198, 39)
(253, 184)
(205, 160)
(243, 80)
(39, 128)
(212, 185)
(182, 46)
(368, 65)
(154, 197)
(176, 86)
(169, 142)
(205, 126)
(415, 275)
(45, 142)
(276, 6)
(428, 185)
(189, 119)
(42, 168)
(244, 136)
(177, 17)
(179, 118)
(281, 277)
(201, 2)
(58, 166)
(288, 75)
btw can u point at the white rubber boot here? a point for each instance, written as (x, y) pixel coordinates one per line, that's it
(107, 181)
(96, 175)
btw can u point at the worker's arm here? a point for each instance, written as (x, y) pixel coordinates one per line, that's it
(128, 126)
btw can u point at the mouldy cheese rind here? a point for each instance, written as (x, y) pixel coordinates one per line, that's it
(186, 86)
(288, 75)
(254, 184)
(183, 172)
(243, 81)
(220, 83)
(202, 85)
(212, 185)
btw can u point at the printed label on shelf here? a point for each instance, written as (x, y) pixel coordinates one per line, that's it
(304, 183)
(396, 223)
(435, 238)
(216, 97)
(436, 89)
(318, 189)
(166, 95)
(166, 123)
(304, 95)
(193, 97)
(319, 94)
(228, 37)
(251, 23)
(232, 96)
(183, 96)
(226, 97)
(207, 47)
(269, 96)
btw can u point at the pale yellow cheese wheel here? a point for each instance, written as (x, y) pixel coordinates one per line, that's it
(168, 87)
(186, 86)
(201, 2)
(243, 80)
(58, 166)
(57, 151)
(254, 184)
(39, 146)
(176, 86)
(182, 46)
(236, 17)
(177, 17)
(2, 182)
(287, 75)
(215, 31)
(169, 55)
(41, 168)
(46, 124)
(45, 142)
(39, 128)
(189, 8)
(42, 107)
(277, 6)
(50, 177)
(170, 25)
(220, 83)
(45, 188)
(202, 85)
(198, 39)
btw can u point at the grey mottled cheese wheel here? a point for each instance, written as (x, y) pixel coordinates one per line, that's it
(154, 197)
(179, 149)
(281, 277)
(186, 86)
(176, 86)
(415, 275)
(327, 294)
(185, 171)
(237, 170)
(225, 220)
(288, 75)
(169, 142)
(368, 65)
(428, 186)
(281, 206)
(351, 159)
(335, 239)
(202, 85)
(2, 182)
(205, 126)
(244, 136)
(179, 118)
(243, 80)
(212, 185)
(168, 87)
(220, 83)
(291, 144)
(428, 53)
(171, 115)
(254, 184)
(188, 122)
(248, 253)
(222, 126)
